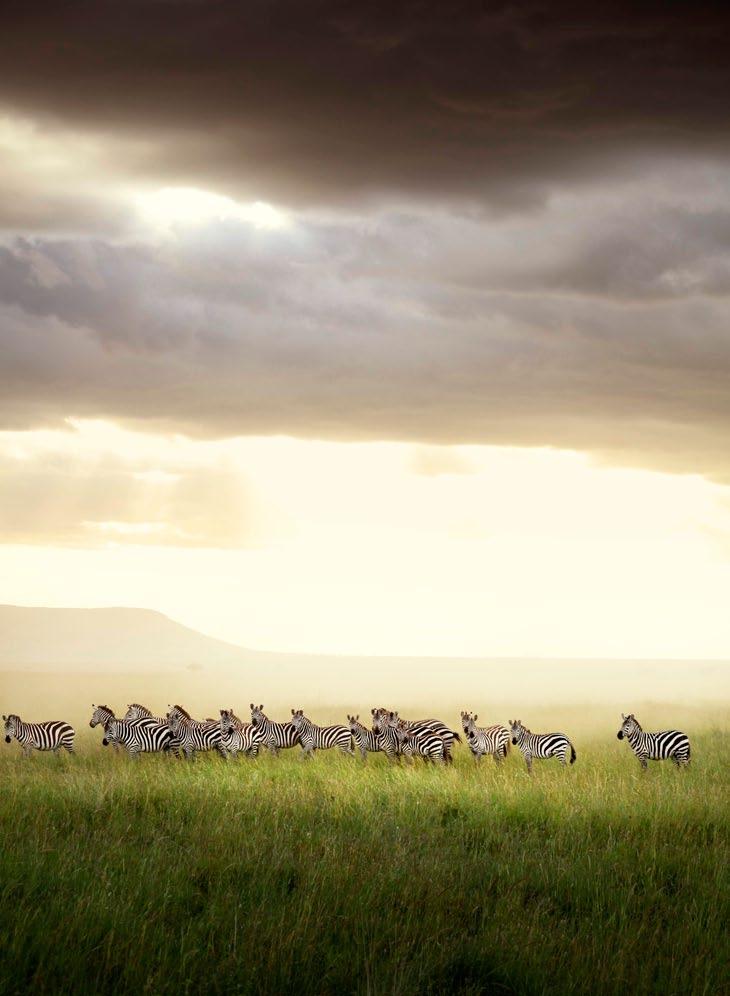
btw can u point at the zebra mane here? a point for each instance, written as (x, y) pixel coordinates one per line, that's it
(138, 705)
(183, 712)
(107, 709)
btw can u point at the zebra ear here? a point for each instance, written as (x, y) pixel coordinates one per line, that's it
(252, 705)
(475, 716)
(293, 713)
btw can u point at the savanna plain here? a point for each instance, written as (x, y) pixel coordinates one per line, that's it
(276, 875)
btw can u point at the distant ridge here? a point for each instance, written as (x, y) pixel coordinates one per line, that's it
(110, 639)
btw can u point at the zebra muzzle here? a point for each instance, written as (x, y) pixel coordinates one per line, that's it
(7, 739)
(620, 735)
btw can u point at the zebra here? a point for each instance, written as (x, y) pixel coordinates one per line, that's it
(313, 737)
(238, 736)
(483, 740)
(429, 726)
(365, 740)
(137, 711)
(428, 745)
(193, 735)
(274, 735)
(654, 746)
(53, 735)
(540, 744)
(384, 730)
(102, 716)
(139, 736)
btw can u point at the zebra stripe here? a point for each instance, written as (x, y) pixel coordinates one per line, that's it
(654, 746)
(137, 711)
(385, 732)
(193, 735)
(237, 736)
(274, 735)
(139, 736)
(540, 744)
(53, 735)
(428, 745)
(483, 740)
(424, 726)
(313, 737)
(365, 740)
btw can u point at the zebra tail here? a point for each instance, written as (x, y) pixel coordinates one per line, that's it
(573, 755)
(457, 738)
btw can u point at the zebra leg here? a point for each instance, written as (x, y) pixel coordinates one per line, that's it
(27, 750)
(528, 762)
(643, 761)
(497, 757)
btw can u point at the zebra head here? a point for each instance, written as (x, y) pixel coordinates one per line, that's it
(137, 711)
(401, 730)
(101, 715)
(377, 721)
(517, 730)
(11, 727)
(227, 721)
(111, 732)
(174, 720)
(468, 722)
(354, 723)
(257, 714)
(297, 718)
(629, 726)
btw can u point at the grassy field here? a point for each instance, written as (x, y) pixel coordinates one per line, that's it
(274, 875)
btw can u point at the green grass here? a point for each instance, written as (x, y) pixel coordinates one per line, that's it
(333, 877)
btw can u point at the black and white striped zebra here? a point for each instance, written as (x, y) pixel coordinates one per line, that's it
(193, 735)
(138, 736)
(365, 740)
(274, 735)
(483, 740)
(313, 737)
(384, 729)
(540, 744)
(654, 746)
(239, 737)
(53, 735)
(135, 710)
(426, 726)
(420, 743)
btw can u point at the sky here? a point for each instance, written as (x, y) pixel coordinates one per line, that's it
(370, 328)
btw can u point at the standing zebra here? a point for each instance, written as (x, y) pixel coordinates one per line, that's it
(540, 744)
(192, 735)
(139, 736)
(238, 736)
(365, 740)
(137, 711)
(53, 735)
(654, 746)
(429, 726)
(313, 737)
(428, 745)
(274, 735)
(483, 740)
(384, 730)
(102, 716)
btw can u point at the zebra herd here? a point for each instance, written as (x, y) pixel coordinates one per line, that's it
(140, 731)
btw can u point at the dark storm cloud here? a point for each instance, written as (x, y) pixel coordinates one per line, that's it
(320, 102)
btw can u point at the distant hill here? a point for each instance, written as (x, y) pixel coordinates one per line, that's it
(115, 639)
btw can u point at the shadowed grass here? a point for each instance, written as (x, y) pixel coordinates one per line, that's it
(276, 875)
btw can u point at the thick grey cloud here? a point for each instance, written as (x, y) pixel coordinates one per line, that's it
(600, 327)
(320, 103)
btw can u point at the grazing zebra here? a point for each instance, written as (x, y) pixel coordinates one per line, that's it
(313, 737)
(654, 746)
(540, 744)
(192, 735)
(274, 735)
(139, 736)
(428, 745)
(53, 735)
(429, 726)
(238, 736)
(483, 740)
(365, 740)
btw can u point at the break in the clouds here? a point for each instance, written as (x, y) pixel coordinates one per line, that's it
(504, 224)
